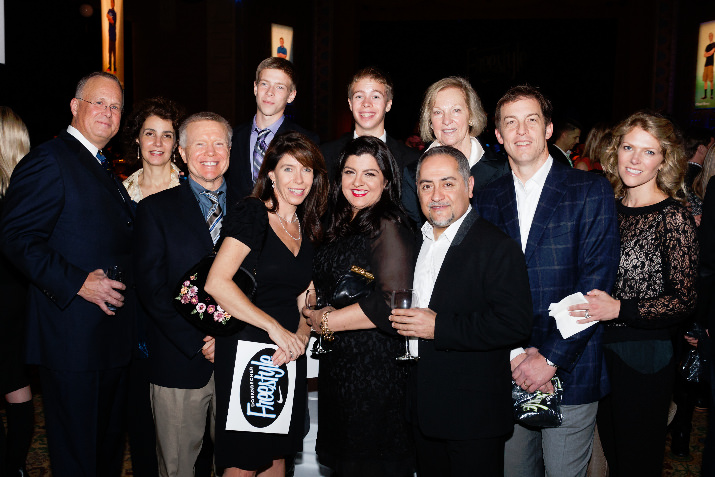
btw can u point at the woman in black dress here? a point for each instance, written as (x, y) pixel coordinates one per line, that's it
(362, 428)
(654, 291)
(273, 232)
(14, 381)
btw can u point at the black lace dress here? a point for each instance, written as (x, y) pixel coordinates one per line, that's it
(362, 427)
(656, 286)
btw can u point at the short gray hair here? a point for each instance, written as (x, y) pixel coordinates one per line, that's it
(462, 161)
(204, 116)
(97, 74)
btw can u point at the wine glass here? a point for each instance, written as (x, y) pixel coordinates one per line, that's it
(403, 299)
(314, 301)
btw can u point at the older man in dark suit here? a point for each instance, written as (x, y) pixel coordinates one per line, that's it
(565, 221)
(175, 229)
(67, 219)
(274, 88)
(475, 306)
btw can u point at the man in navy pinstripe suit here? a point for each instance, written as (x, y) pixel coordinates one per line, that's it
(565, 221)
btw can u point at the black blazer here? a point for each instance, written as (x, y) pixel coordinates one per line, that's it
(171, 236)
(461, 385)
(490, 167)
(64, 217)
(331, 152)
(239, 175)
(559, 156)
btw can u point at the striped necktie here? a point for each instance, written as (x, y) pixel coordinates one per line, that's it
(103, 160)
(258, 151)
(214, 217)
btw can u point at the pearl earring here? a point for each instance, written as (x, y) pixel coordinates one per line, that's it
(139, 156)
(274, 184)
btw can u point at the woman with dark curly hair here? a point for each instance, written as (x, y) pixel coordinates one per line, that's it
(272, 232)
(152, 132)
(654, 291)
(362, 428)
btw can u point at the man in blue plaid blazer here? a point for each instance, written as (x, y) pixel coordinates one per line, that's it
(565, 221)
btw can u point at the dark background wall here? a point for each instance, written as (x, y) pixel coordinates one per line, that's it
(597, 60)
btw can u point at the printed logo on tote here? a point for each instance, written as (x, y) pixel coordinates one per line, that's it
(263, 389)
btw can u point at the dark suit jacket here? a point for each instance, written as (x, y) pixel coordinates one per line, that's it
(331, 152)
(171, 236)
(239, 175)
(65, 217)
(491, 166)
(461, 385)
(573, 246)
(559, 156)
(706, 285)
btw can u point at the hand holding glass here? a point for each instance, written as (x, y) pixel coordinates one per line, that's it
(404, 299)
(314, 301)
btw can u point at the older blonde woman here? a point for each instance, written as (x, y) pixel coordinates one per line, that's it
(452, 115)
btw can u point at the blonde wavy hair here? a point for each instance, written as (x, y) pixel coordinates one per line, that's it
(670, 176)
(477, 116)
(14, 144)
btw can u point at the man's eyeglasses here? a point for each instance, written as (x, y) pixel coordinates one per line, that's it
(102, 106)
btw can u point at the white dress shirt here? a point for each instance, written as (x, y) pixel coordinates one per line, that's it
(429, 263)
(527, 199)
(383, 138)
(90, 147)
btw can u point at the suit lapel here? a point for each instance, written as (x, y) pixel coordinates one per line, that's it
(551, 195)
(85, 158)
(509, 212)
(193, 217)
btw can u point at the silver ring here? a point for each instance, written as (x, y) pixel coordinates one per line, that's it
(587, 316)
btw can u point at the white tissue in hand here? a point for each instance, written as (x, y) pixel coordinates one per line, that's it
(567, 324)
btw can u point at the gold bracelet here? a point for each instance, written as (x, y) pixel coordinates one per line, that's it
(324, 330)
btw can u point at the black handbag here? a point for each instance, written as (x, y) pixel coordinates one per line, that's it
(355, 284)
(200, 309)
(538, 409)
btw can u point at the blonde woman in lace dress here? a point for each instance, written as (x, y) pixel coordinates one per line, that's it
(654, 291)
(150, 136)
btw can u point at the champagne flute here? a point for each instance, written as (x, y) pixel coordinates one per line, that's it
(403, 299)
(314, 301)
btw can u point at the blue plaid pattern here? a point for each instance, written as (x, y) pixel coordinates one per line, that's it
(573, 245)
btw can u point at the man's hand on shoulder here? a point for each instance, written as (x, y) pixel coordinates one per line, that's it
(414, 322)
(100, 290)
(533, 372)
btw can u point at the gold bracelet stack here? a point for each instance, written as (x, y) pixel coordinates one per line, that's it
(324, 330)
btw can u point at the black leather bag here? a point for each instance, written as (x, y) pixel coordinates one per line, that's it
(538, 409)
(200, 309)
(355, 284)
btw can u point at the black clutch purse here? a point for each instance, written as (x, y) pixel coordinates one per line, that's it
(200, 309)
(352, 286)
(538, 409)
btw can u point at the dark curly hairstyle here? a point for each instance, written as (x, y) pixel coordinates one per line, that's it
(162, 108)
(340, 221)
(307, 153)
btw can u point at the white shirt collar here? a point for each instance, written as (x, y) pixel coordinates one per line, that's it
(539, 178)
(450, 232)
(383, 138)
(78, 135)
(476, 152)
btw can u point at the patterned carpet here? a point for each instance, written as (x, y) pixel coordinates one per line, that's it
(38, 461)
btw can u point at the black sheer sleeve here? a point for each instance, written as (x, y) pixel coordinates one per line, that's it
(392, 261)
(679, 262)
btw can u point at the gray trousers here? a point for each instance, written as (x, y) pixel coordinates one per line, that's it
(559, 451)
(180, 420)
